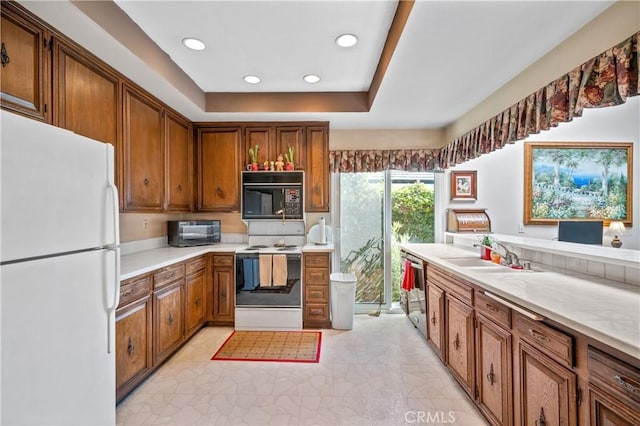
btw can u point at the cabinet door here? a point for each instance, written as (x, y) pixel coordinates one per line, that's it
(460, 347)
(223, 294)
(435, 319)
(26, 62)
(606, 410)
(317, 169)
(218, 153)
(291, 136)
(167, 320)
(86, 95)
(547, 390)
(494, 377)
(142, 153)
(179, 161)
(263, 137)
(194, 312)
(133, 345)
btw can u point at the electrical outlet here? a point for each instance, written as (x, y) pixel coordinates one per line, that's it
(521, 228)
(145, 225)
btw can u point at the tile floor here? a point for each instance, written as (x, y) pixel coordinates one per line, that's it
(380, 373)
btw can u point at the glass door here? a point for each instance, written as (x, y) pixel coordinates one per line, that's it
(372, 212)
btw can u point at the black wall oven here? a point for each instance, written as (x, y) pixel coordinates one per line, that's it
(272, 195)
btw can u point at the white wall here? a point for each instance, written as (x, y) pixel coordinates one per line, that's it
(501, 173)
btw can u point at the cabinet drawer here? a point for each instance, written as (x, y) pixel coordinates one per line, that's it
(493, 310)
(555, 344)
(316, 260)
(134, 288)
(167, 275)
(616, 376)
(450, 284)
(316, 276)
(316, 294)
(222, 260)
(316, 312)
(195, 265)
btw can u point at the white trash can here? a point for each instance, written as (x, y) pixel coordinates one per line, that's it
(343, 299)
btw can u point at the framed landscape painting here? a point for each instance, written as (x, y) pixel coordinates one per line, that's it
(577, 181)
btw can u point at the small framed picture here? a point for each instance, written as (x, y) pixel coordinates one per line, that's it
(463, 185)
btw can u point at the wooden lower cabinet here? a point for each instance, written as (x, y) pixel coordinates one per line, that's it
(315, 311)
(547, 390)
(494, 372)
(224, 289)
(133, 345)
(460, 342)
(606, 410)
(168, 316)
(435, 319)
(195, 292)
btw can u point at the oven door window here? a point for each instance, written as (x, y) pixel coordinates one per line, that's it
(250, 292)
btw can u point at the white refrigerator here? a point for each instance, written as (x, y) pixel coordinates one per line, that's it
(59, 276)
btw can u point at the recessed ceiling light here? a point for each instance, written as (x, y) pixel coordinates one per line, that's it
(193, 43)
(311, 78)
(251, 79)
(346, 40)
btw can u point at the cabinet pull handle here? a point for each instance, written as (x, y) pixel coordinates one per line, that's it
(130, 347)
(146, 181)
(456, 343)
(179, 187)
(223, 294)
(624, 382)
(491, 307)
(491, 376)
(219, 191)
(433, 318)
(4, 56)
(170, 319)
(316, 189)
(537, 335)
(127, 293)
(541, 419)
(197, 301)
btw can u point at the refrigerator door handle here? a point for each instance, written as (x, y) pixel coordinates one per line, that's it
(115, 247)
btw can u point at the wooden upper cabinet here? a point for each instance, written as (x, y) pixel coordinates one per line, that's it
(262, 136)
(86, 95)
(291, 136)
(218, 164)
(26, 65)
(179, 164)
(142, 152)
(317, 169)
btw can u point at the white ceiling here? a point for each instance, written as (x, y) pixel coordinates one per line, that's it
(450, 57)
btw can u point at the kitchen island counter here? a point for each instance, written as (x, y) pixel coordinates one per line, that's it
(605, 310)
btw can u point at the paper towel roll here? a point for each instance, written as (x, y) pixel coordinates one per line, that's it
(323, 232)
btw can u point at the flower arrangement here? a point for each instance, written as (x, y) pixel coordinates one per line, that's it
(253, 155)
(289, 157)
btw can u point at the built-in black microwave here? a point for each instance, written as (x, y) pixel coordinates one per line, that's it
(272, 195)
(188, 233)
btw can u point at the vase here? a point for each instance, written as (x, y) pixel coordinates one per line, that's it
(485, 253)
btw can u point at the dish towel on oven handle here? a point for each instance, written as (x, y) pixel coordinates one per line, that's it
(265, 269)
(408, 281)
(280, 272)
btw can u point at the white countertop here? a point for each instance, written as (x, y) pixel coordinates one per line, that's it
(145, 261)
(606, 310)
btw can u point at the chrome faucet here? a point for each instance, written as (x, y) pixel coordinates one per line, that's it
(510, 257)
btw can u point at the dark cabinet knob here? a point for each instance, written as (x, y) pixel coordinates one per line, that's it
(170, 319)
(491, 376)
(179, 187)
(130, 347)
(541, 419)
(146, 181)
(456, 342)
(197, 301)
(433, 318)
(4, 56)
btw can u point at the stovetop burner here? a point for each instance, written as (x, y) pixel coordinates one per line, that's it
(256, 247)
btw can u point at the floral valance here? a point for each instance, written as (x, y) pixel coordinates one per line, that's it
(606, 80)
(360, 161)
